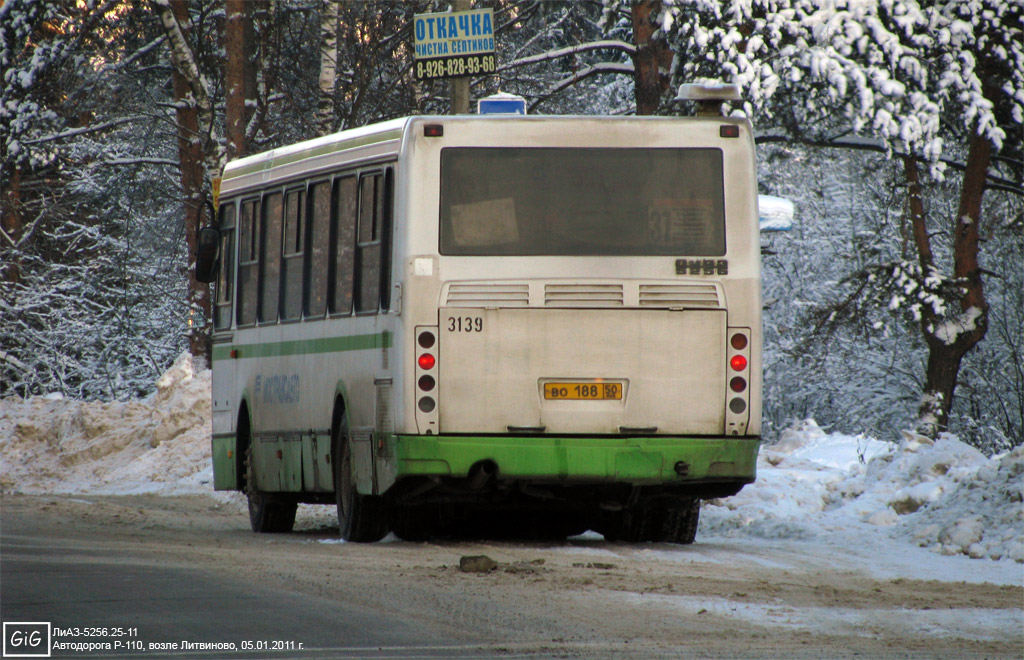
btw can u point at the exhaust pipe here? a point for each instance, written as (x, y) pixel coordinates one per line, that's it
(481, 473)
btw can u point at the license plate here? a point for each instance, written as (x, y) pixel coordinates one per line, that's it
(585, 391)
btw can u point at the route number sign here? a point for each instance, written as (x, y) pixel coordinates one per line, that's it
(454, 44)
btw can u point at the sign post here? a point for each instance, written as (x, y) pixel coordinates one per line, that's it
(454, 45)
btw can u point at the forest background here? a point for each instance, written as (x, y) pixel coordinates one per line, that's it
(897, 302)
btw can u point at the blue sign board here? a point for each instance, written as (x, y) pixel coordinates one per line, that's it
(501, 105)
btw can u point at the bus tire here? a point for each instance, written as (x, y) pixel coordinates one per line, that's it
(361, 518)
(679, 521)
(637, 523)
(269, 513)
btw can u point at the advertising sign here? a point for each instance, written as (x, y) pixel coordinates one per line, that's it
(454, 44)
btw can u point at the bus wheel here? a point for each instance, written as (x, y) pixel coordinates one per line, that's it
(360, 517)
(633, 524)
(679, 521)
(268, 512)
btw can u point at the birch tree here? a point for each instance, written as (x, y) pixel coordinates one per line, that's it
(328, 66)
(199, 153)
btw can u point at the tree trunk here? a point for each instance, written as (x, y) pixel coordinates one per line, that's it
(250, 72)
(10, 272)
(328, 66)
(234, 77)
(190, 153)
(650, 58)
(959, 335)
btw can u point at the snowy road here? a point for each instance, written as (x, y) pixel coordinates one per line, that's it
(846, 546)
(187, 569)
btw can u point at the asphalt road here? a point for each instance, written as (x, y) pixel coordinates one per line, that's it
(183, 577)
(116, 591)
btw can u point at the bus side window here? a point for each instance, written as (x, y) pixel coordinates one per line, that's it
(343, 233)
(318, 246)
(248, 263)
(294, 225)
(270, 274)
(371, 195)
(387, 214)
(225, 271)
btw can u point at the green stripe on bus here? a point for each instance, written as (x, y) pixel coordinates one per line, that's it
(303, 347)
(314, 152)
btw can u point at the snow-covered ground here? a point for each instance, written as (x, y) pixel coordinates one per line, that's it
(925, 507)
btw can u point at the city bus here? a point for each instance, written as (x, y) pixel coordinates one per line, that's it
(469, 324)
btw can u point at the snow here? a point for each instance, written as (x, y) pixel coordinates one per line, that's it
(775, 213)
(918, 508)
(160, 444)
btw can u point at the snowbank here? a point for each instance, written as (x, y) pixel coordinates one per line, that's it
(159, 444)
(942, 495)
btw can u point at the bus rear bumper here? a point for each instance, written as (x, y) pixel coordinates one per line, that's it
(655, 460)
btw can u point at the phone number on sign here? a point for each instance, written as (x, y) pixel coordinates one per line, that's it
(453, 67)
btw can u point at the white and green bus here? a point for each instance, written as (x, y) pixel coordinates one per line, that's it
(449, 323)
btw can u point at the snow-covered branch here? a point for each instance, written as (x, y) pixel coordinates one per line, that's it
(120, 65)
(142, 161)
(73, 132)
(880, 146)
(608, 44)
(622, 68)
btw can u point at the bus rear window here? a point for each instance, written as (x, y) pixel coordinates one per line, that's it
(615, 202)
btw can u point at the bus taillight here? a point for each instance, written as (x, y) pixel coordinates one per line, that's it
(427, 384)
(737, 408)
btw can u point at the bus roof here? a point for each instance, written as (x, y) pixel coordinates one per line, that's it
(356, 137)
(238, 173)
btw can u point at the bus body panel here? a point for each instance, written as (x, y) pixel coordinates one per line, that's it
(502, 369)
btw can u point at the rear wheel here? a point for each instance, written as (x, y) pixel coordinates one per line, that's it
(679, 521)
(668, 521)
(360, 517)
(268, 512)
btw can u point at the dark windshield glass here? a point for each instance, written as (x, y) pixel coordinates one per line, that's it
(507, 201)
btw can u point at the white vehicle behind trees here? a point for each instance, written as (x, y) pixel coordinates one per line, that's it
(456, 323)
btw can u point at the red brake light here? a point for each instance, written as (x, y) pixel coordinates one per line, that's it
(426, 361)
(738, 362)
